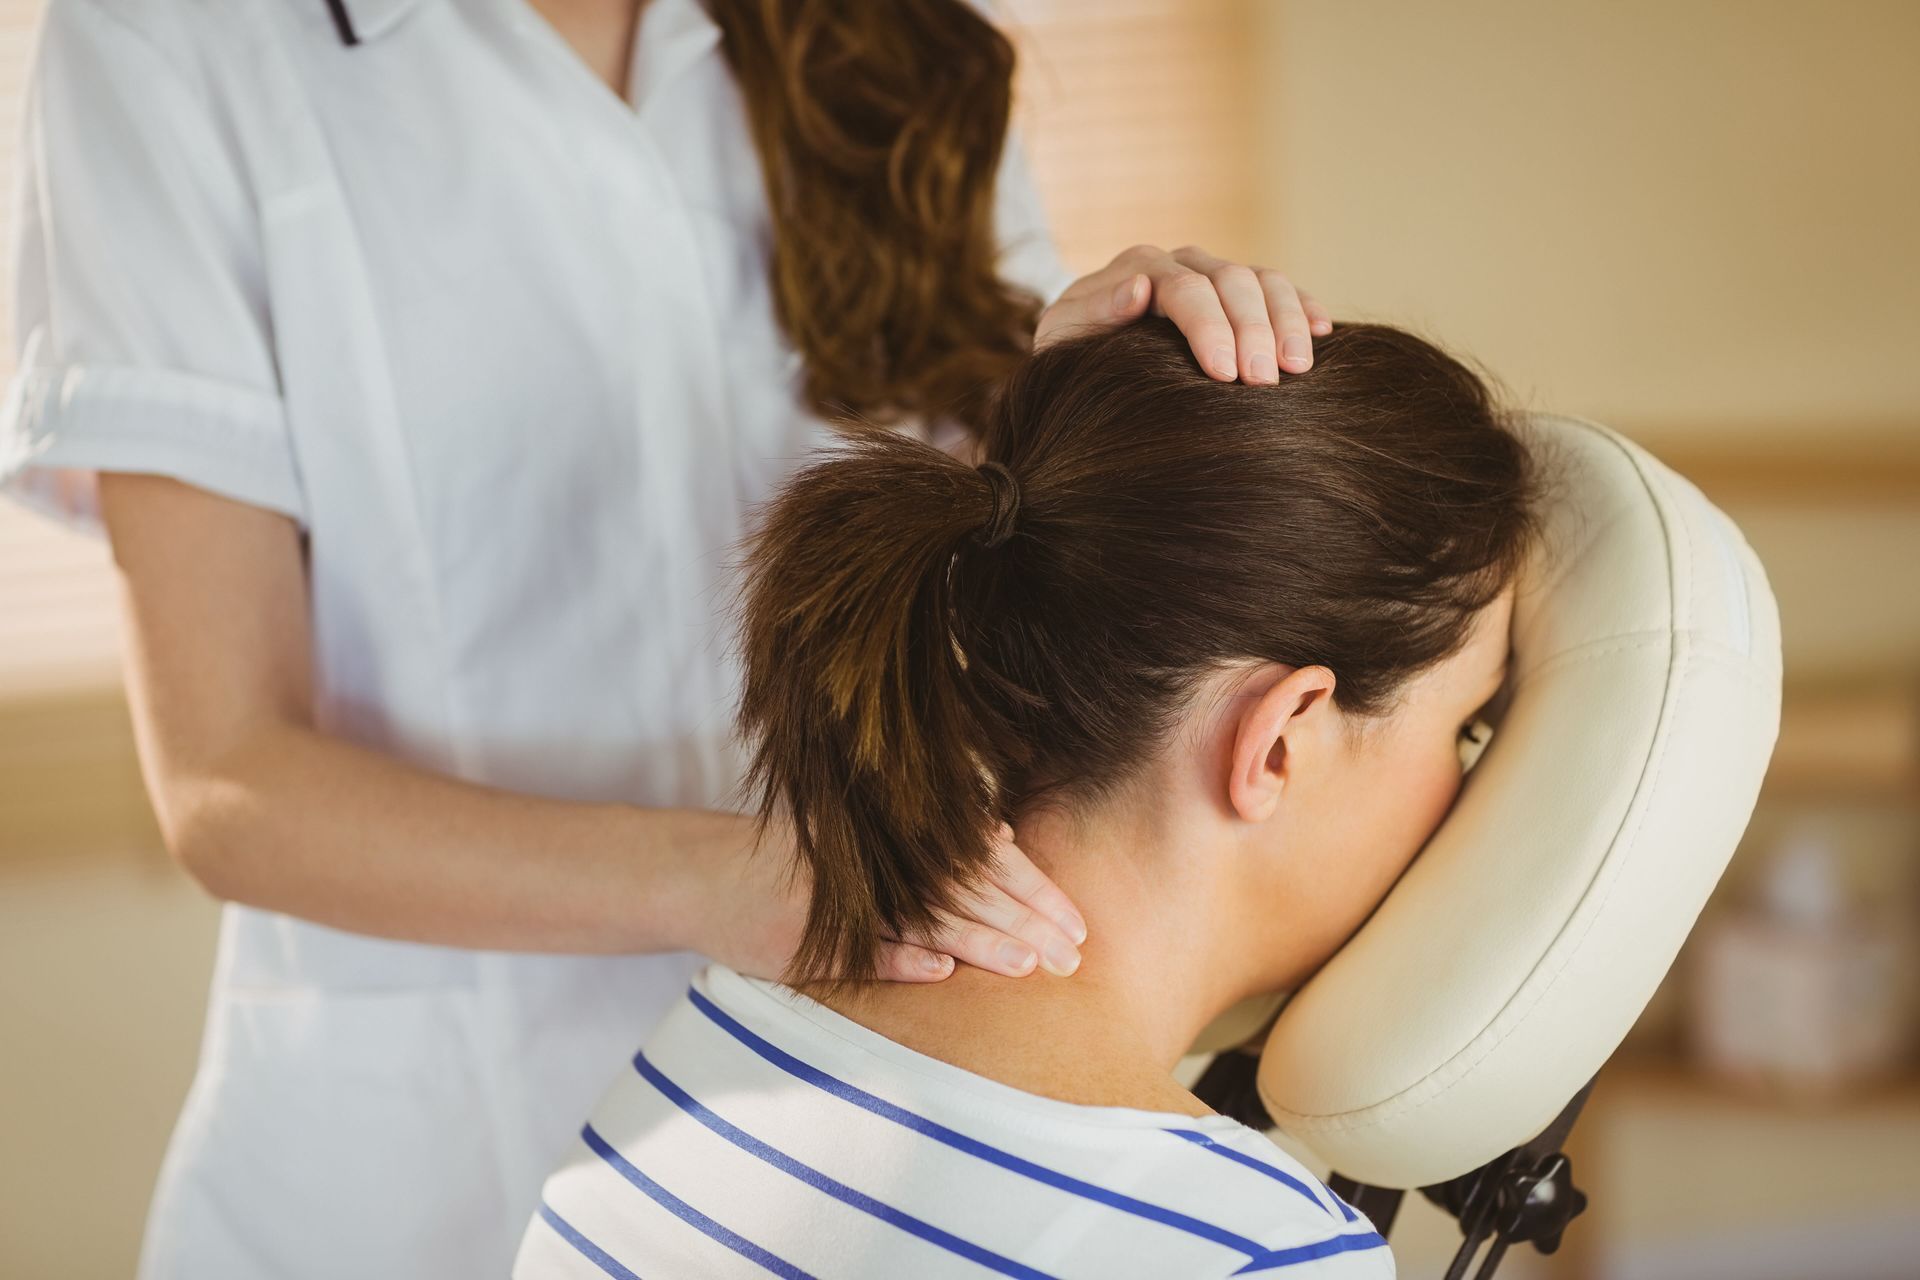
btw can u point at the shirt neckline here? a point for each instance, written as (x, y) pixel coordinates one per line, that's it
(776, 1003)
(670, 37)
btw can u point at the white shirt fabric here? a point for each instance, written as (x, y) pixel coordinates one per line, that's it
(760, 1133)
(503, 346)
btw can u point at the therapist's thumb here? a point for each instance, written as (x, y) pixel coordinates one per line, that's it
(1082, 310)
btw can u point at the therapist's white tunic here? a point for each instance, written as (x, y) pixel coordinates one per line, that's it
(503, 345)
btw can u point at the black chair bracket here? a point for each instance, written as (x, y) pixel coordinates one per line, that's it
(1525, 1196)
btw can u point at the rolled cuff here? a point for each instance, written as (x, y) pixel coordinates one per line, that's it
(227, 439)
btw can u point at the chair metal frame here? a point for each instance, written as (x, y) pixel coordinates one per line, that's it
(1525, 1195)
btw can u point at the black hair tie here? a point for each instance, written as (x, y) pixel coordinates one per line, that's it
(1006, 504)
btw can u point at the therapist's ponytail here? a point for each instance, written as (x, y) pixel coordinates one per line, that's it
(932, 648)
(880, 127)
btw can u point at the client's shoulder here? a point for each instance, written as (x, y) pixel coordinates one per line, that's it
(1278, 1213)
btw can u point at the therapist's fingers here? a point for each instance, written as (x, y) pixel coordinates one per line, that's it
(994, 930)
(1246, 301)
(1192, 300)
(985, 947)
(1116, 294)
(1318, 320)
(1292, 318)
(1014, 872)
(1245, 322)
(907, 962)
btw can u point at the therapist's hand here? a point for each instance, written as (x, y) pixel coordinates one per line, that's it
(1242, 322)
(745, 910)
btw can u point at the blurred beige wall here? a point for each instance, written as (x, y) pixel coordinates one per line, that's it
(103, 973)
(1697, 221)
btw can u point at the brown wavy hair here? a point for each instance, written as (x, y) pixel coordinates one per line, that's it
(880, 128)
(924, 661)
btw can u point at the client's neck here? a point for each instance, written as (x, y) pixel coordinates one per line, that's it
(1163, 956)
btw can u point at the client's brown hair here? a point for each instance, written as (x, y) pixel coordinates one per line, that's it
(928, 650)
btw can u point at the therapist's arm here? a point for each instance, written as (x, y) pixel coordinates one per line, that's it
(262, 808)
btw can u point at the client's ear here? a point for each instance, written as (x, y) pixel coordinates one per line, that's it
(1293, 711)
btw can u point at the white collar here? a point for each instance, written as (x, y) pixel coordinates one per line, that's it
(368, 20)
(677, 30)
(674, 35)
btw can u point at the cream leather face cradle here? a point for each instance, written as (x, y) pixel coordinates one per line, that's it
(1638, 720)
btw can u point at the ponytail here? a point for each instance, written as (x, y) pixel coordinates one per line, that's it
(932, 648)
(869, 729)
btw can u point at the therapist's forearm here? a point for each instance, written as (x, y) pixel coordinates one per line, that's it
(295, 821)
(263, 808)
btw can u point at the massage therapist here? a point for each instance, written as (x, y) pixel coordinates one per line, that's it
(424, 361)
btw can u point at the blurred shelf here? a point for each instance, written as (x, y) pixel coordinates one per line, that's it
(1859, 743)
(1841, 464)
(1690, 1178)
(1666, 1078)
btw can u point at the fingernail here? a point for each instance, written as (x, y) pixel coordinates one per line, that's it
(1298, 350)
(1076, 928)
(1017, 956)
(1263, 368)
(1123, 296)
(1222, 362)
(1061, 959)
(936, 962)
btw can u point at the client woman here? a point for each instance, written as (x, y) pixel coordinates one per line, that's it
(1210, 648)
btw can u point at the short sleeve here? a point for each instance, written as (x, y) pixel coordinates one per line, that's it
(139, 306)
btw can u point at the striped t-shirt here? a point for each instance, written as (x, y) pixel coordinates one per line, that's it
(759, 1133)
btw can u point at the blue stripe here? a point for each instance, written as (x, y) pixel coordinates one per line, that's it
(1310, 1252)
(1366, 1239)
(1278, 1175)
(688, 1214)
(971, 1146)
(820, 1181)
(593, 1252)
